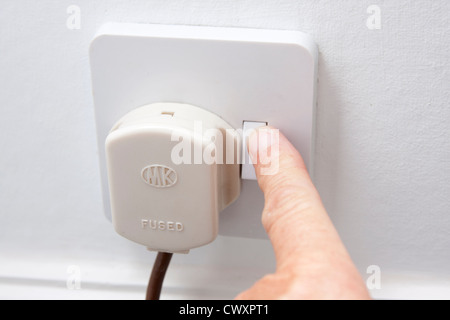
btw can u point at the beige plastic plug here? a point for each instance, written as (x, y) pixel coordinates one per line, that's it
(171, 169)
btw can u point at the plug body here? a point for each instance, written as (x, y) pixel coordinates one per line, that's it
(171, 169)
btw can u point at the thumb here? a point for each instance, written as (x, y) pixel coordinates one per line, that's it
(294, 216)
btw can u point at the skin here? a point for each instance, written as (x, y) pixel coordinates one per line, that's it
(312, 262)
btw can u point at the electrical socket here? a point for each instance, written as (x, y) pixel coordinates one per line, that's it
(239, 74)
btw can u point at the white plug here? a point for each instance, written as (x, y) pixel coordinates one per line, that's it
(171, 169)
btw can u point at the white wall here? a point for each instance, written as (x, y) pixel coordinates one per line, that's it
(382, 161)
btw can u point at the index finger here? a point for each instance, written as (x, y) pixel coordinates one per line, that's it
(294, 216)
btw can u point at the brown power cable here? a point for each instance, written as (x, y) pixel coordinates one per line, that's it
(157, 278)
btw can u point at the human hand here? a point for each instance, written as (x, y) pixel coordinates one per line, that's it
(312, 262)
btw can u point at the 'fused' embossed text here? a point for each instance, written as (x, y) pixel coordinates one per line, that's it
(162, 225)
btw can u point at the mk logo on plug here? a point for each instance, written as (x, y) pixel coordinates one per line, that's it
(159, 176)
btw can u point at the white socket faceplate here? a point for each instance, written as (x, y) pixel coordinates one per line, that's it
(239, 74)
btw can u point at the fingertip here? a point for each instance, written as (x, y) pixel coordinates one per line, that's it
(252, 145)
(271, 153)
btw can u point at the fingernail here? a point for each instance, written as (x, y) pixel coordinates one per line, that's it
(260, 139)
